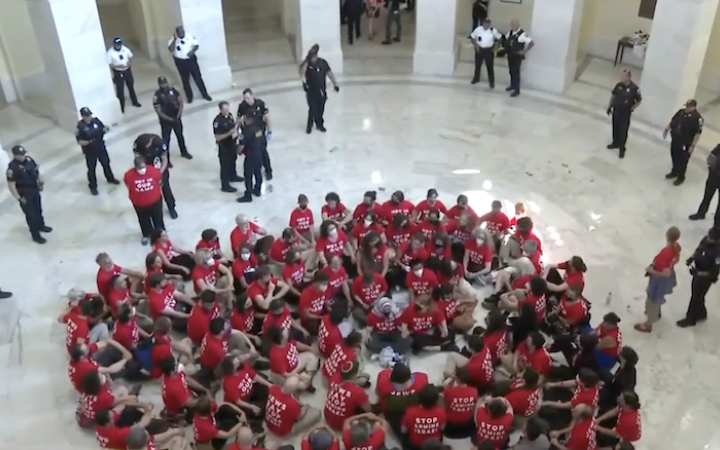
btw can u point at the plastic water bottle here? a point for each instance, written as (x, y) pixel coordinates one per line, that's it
(608, 299)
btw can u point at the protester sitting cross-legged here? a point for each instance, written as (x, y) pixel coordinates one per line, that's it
(426, 420)
(364, 431)
(284, 414)
(345, 398)
(347, 350)
(386, 328)
(397, 390)
(479, 365)
(289, 358)
(214, 423)
(244, 387)
(459, 398)
(179, 392)
(112, 437)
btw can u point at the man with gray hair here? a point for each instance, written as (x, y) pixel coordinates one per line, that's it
(320, 438)
(364, 431)
(139, 439)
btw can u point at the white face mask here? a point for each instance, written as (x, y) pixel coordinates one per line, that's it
(418, 272)
(480, 241)
(180, 368)
(142, 170)
(210, 262)
(245, 256)
(322, 287)
(333, 233)
(368, 223)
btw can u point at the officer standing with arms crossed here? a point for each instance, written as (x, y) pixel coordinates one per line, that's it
(90, 135)
(516, 44)
(153, 149)
(169, 107)
(251, 144)
(712, 184)
(257, 110)
(483, 40)
(685, 129)
(623, 101)
(118, 58)
(313, 73)
(226, 133)
(25, 184)
(704, 267)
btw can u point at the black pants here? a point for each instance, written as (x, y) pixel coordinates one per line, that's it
(514, 66)
(93, 155)
(460, 430)
(121, 78)
(711, 185)
(266, 159)
(189, 68)
(167, 190)
(353, 25)
(316, 108)
(166, 130)
(485, 55)
(696, 308)
(31, 206)
(252, 171)
(227, 155)
(478, 15)
(680, 157)
(410, 4)
(620, 126)
(150, 218)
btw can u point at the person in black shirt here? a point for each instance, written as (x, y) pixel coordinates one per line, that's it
(155, 152)
(251, 145)
(516, 43)
(479, 12)
(313, 73)
(392, 8)
(685, 128)
(623, 101)
(704, 267)
(258, 112)
(353, 12)
(712, 184)
(89, 134)
(25, 184)
(169, 107)
(225, 130)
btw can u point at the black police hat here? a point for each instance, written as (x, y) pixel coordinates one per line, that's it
(19, 150)
(117, 40)
(85, 112)
(162, 80)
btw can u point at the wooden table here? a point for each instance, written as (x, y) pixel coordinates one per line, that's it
(623, 43)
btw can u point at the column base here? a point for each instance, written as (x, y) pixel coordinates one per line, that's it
(551, 79)
(433, 63)
(217, 79)
(657, 110)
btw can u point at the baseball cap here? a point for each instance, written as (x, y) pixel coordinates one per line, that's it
(19, 150)
(691, 102)
(117, 40)
(321, 440)
(85, 111)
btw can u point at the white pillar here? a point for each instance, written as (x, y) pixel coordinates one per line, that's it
(72, 47)
(675, 55)
(318, 22)
(289, 17)
(4, 158)
(551, 65)
(204, 20)
(435, 37)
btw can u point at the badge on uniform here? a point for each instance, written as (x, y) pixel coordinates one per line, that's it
(627, 89)
(121, 57)
(258, 133)
(9, 173)
(215, 124)
(701, 121)
(155, 99)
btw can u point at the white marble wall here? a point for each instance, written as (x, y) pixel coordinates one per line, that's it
(552, 64)
(675, 55)
(318, 22)
(71, 43)
(435, 37)
(289, 16)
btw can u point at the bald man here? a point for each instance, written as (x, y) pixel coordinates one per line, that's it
(516, 43)
(139, 439)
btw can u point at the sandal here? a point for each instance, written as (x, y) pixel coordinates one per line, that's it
(643, 328)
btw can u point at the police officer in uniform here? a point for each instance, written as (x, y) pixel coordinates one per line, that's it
(225, 130)
(183, 48)
(90, 135)
(118, 58)
(251, 145)
(623, 101)
(516, 43)
(313, 73)
(25, 184)
(685, 128)
(169, 107)
(704, 267)
(712, 184)
(483, 39)
(152, 147)
(257, 110)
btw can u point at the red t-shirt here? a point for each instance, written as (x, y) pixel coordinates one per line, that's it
(239, 237)
(423, 321)
(667, 258)
(327, 247)
(127, 334)
(408, 254)
(479, 255)
(530, 236)
(213, 350)
(384, 387)
(212, 246)
(362, 210)
(525, 402)
(335, 213)
(301, 220)
(538, 304)
(158, 301)
(359, 231)
(493, 429)
(241, 267)
(455, 211)
(573, 312)
(284, 359)
(312, 301)
(539, 359)
(284, 320)
(76, 327)
(459, 233)
(294, 274)
(175, 392)
(582, 435)
(454, 278)
(423, 284)
(497, 343)
(382, 324)
(161, 350)
(496, 222)
(244, 321)
(369, 294)
(279, 249)
(199, 321)
(522, 282)
(399, 236)
(629, 425)
(103, 279)
(337, 279)
(376, 441)
(585, 396)
(204, 427)
(428, 230)
(460, 403)
(209, 274)
(342, 402)
(339, 355)
(116, 298)
(328, 337)
(442, 253)
(257, 289)
(91, 404)
(424, 208)
(423, 424)
(77, 370)
(143, 190)
(165, 248)
(392, 209)
(572, 278)
(239, 386)
(111, 437)
(281, 412)
(480, 367)
(448, 307)
(614, 334)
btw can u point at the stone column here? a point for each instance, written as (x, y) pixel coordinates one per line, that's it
(551, 65)
(4, 158)
(318, 22)
(678, 43)
(73, 50)
(435, 37)
(289, 12)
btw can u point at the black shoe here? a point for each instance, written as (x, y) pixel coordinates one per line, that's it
(515, 94)
(679, 181)
(308, 130)
(137, 105)
(113, 181)
(268, 176)
(508, 89)
(237, 179)
(145, 241)
(228, 188)
(670, 176)
(189, 100)
(492, 86)
(397, 39)
(386, 42)
(247, 198)
(207, 97)
(39, 239)
(173, 214)
(367, 384)
(685, 323)
(261, 365)
(94, 191)
(311, 390)
(322, 129)
(45, 229)
(474, 81)
(696, 216)
(622, 153)
(257, 192)
(5, 294)
(613, 146)
(186, 155)
(170, 165)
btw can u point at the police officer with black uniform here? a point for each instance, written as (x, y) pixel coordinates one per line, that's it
(169, 107)
(516, 43)
(90, 135)
(251, 145)
(623, 101)
(712, 184)
(685, 128)
(25, 184)
(704, 267)
(226, 133)
(313, 73)
(153, 148)
(257, 110)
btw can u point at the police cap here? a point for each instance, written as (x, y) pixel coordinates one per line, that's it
(117, 41)
(162, 80)
(85, 112)
(691, 102)
(19, 150)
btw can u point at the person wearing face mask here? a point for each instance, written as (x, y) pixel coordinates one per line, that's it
(333, 242)
(144, 190)
(365, 226)
(155, 151)
(386, 328)
(247, 231)
(208, 274)
(302, 221)
(312, 302)
(429, 227)
(243, 268)
(399, 231)
(25, 184)
(169, 106)
(477, 260)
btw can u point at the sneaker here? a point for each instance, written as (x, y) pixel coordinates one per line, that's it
(696, 216)
(45, 229)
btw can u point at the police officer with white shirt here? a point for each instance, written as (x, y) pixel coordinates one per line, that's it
(118, 58)
(90, 136)
(483, 39)
(183, 48)
(516, 44)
